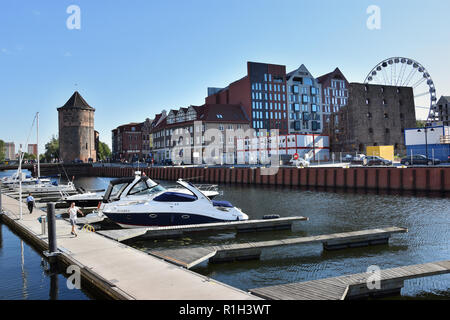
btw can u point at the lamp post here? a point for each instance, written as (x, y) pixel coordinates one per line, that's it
(426, 128)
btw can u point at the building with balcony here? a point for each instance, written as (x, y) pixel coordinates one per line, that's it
(305, 102)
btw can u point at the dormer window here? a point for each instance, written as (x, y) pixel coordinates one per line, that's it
(219, 116)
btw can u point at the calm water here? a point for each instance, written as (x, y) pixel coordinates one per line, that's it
(427, 218)
(25, 275)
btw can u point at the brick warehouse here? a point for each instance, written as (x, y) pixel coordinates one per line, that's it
(76, 130)
(376, 115)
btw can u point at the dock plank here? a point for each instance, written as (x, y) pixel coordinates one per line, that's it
(191, 256)
(329, 288)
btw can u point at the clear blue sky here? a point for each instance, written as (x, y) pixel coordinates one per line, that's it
(133, 58)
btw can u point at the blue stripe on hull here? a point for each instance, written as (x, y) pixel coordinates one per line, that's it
(161, 219)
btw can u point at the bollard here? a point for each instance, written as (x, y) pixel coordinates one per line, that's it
(51, 220)
(43, 225)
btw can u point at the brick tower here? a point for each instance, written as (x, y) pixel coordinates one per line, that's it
(76, 130)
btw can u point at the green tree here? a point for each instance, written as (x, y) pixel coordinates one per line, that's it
(29, 156)
(420, 123)
(104, 151)
(52, 149)
(2, 151)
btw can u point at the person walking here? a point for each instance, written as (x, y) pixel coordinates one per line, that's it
(73, 217)
(30, 203)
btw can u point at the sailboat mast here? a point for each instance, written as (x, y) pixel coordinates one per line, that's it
(37, 135)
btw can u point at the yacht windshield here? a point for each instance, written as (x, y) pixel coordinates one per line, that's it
(146, 188)
(118, 189)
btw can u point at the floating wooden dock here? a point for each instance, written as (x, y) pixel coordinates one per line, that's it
(176, 231)
(117, 270)
(352, 286)
(190, 257)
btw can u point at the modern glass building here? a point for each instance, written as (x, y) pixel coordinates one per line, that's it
(305, 102)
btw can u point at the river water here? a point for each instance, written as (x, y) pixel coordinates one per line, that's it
(426, 217)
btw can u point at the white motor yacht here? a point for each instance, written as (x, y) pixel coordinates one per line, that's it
(162, 207)
(125, 189)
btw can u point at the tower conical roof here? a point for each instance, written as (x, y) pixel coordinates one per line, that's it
(76, 101)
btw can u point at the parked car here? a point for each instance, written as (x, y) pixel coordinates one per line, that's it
(348, 158)
(419, 160)
(167, 162)
(300, 163)
(358, 159)
(376, 161)
(77, 161)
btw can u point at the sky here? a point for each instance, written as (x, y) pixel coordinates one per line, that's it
(131, 59)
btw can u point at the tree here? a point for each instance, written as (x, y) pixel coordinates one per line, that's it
(104, 152)
(29, 156)
(2, 151)
(52, 149)
(420, 123)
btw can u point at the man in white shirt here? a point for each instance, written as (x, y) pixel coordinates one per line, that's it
(30, 203)
(73, 217)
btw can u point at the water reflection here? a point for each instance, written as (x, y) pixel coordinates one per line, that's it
(25, 275)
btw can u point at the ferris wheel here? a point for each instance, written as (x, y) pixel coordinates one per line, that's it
(406, 72)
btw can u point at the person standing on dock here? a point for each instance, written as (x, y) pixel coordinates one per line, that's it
(30, 203)
(73, 217)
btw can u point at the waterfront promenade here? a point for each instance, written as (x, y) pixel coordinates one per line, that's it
(119, 271)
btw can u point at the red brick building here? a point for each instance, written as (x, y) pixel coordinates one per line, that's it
(127, 142)
(261, 93)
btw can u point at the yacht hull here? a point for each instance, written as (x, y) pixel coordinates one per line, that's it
(162, 219)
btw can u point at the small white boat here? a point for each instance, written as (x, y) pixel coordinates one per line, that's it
(26, 179)
(46, 187)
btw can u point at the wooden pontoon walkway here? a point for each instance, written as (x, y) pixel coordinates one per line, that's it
(173, 231)
(119, 271)
(190, 257)
(352, 286)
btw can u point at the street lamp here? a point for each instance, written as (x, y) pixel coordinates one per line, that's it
(426, 128)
